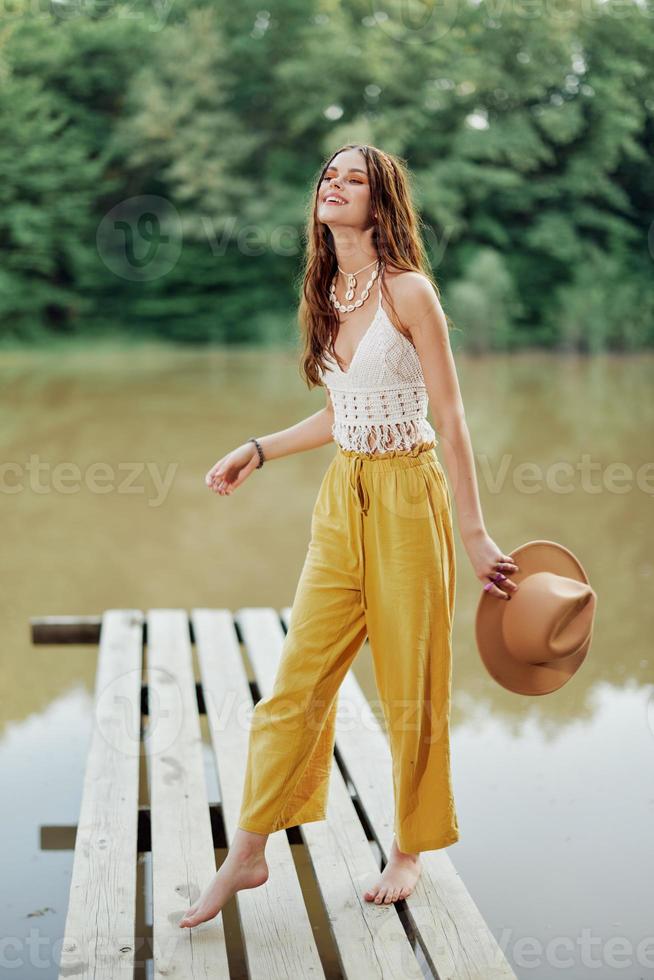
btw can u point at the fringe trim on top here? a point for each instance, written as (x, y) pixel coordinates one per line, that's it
(382, 436)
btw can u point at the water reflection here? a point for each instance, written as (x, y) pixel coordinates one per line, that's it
(104, 504)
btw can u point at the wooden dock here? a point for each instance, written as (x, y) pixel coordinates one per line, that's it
(153, 719)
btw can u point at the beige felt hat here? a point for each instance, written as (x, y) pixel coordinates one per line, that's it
(536, 641)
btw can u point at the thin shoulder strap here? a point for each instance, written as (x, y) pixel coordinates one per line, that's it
(379, 298)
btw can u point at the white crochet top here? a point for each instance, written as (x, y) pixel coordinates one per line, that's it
(380, 402)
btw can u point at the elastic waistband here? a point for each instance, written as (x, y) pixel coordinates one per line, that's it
(418, 455)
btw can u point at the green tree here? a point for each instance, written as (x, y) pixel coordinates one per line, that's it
(528, 132)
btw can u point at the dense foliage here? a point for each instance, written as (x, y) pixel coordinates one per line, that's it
(157, 161)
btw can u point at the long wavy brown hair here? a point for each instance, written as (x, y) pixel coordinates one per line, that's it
(396, 236)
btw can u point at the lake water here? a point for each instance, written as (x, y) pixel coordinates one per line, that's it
(555, 794)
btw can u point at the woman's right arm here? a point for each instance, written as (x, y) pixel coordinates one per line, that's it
(230, 471)
(310, 433)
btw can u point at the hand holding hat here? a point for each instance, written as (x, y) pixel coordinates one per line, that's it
(536, 642)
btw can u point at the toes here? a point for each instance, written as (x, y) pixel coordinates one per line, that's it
(388, 893)
(384, 894)
(188, 919)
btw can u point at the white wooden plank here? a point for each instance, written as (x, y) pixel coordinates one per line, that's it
(99, 932)
(183, 857)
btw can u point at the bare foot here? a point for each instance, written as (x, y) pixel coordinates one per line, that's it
(244, 867)
(397, 880)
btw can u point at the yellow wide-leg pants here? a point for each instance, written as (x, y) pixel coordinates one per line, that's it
(380, 563)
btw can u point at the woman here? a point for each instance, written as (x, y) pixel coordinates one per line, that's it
(380, 562)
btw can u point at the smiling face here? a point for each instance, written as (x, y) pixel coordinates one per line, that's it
(344, 191)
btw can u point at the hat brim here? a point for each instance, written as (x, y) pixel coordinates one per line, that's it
(514, 675)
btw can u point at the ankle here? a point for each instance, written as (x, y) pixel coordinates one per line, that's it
(248, 846)
(406, 855)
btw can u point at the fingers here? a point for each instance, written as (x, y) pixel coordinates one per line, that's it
(225, 486)
(218, 481)
(213, 477)
(217, 468)
(500, 584)
(492, 589)
(506, 564)
(224, 482)
(500, 579)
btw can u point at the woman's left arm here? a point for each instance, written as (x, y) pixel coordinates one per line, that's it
(419, 308)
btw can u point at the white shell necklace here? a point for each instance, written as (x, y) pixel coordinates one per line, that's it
(351, 286)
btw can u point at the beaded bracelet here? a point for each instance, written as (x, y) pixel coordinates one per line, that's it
(262, 458)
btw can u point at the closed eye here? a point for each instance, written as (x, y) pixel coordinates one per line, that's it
(354, 180)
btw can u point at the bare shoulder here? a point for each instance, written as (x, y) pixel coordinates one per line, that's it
(414, 298)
